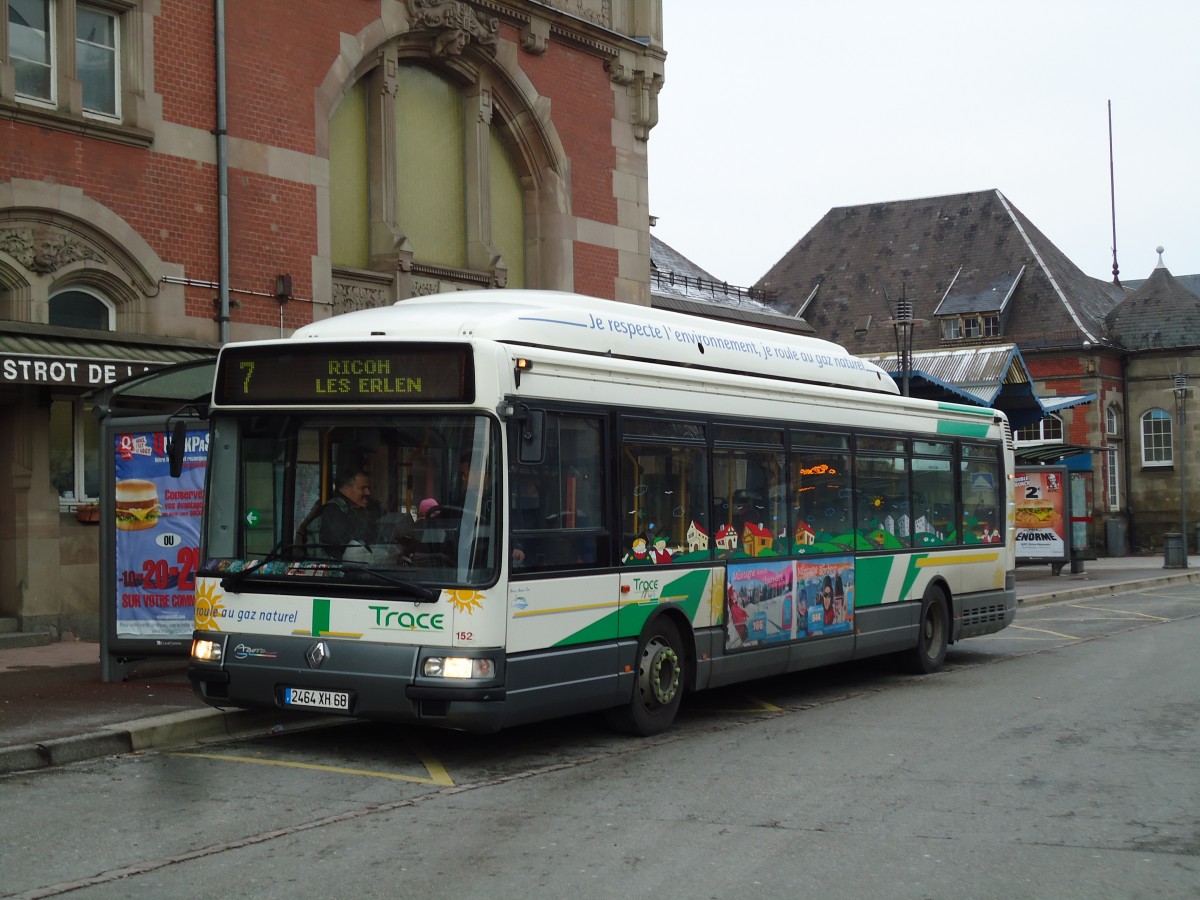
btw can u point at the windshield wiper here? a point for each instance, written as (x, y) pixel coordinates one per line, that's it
(423, 594)
(233, 580)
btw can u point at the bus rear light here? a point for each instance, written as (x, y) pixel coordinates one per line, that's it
(205, 650)
(458, 667)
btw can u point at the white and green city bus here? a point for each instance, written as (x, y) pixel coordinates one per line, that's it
(579, 505)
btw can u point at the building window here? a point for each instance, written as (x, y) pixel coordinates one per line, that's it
(430, 166)
(957, 327)
(1112, 459)
(458, 198)
(1157, 438)
(81, 309)
(31, 48)
(1112, 477)
(72, 60)
(1048, 431)
(1112, 420)
(97, 49)
(74, 451)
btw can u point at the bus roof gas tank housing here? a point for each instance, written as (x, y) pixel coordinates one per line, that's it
(572, 322)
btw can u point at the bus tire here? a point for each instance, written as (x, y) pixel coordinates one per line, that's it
(932, 636)
(662, 665)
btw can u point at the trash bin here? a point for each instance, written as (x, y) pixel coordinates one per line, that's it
(1173, 550)
(1114, 531)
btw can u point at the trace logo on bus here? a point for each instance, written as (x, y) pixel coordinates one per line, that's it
(389, 619)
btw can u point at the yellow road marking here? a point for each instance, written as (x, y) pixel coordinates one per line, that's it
(1120, 612)
(757, 706)
(437, 773)
(1046, 631)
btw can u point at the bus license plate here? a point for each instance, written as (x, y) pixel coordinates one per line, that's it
(339, 701)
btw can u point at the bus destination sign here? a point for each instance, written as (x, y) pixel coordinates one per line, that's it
(344, 374)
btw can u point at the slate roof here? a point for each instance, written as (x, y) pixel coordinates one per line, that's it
(1191, 282)
(859, 257)
(1161, 314)
(679, 284)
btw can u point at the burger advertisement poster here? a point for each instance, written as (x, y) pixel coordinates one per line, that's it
(157, 522)
(1041, 513)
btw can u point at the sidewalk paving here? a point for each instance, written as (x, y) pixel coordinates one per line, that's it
(54, 709)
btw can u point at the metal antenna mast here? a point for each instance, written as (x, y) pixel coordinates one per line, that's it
(1112, 193)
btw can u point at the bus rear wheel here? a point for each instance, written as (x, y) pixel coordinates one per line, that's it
(658, 692)
(930, 652)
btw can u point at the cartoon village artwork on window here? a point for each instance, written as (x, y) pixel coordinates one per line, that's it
(887, 530)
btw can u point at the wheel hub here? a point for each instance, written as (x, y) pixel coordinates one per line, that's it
(660, 672)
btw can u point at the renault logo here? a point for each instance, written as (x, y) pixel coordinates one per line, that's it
(317, 654)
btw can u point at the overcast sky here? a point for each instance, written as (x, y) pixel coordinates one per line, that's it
(776, 111)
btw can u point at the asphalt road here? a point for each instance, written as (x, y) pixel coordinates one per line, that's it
(1057, 759)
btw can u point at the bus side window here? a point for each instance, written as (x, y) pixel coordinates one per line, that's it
(983, 510)
(664, 498)
(823, 517)
(556, 507)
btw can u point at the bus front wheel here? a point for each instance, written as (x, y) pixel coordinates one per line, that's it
(930, 652)
(660, 680)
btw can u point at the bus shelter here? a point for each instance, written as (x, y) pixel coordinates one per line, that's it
(149, 518)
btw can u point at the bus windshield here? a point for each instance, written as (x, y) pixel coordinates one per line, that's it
(385, 502)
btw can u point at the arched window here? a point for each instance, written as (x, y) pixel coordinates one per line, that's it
(435, 164)
(1048, 431)
(1157, 438)
(1112, 420)
(77, 308)
(1112, 459)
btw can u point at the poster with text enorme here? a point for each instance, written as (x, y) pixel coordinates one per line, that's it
(157, 540)
(1041, 514)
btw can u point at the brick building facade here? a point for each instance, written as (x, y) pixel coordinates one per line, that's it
(176, 174)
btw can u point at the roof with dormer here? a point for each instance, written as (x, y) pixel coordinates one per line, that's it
(969, 251)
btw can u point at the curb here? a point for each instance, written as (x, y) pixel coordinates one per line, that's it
(1106, 590)
(169, 730)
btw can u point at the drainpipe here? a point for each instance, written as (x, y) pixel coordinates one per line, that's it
(1126, 450)
(222, 182)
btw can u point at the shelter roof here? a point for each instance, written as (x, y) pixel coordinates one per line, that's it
(993, 375)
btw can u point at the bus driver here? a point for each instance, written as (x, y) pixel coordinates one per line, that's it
(348, 516)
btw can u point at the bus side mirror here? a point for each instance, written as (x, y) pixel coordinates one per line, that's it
(531, 437)
(175, 447)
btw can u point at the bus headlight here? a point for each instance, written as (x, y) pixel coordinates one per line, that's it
(206, 650)
(458, 667)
